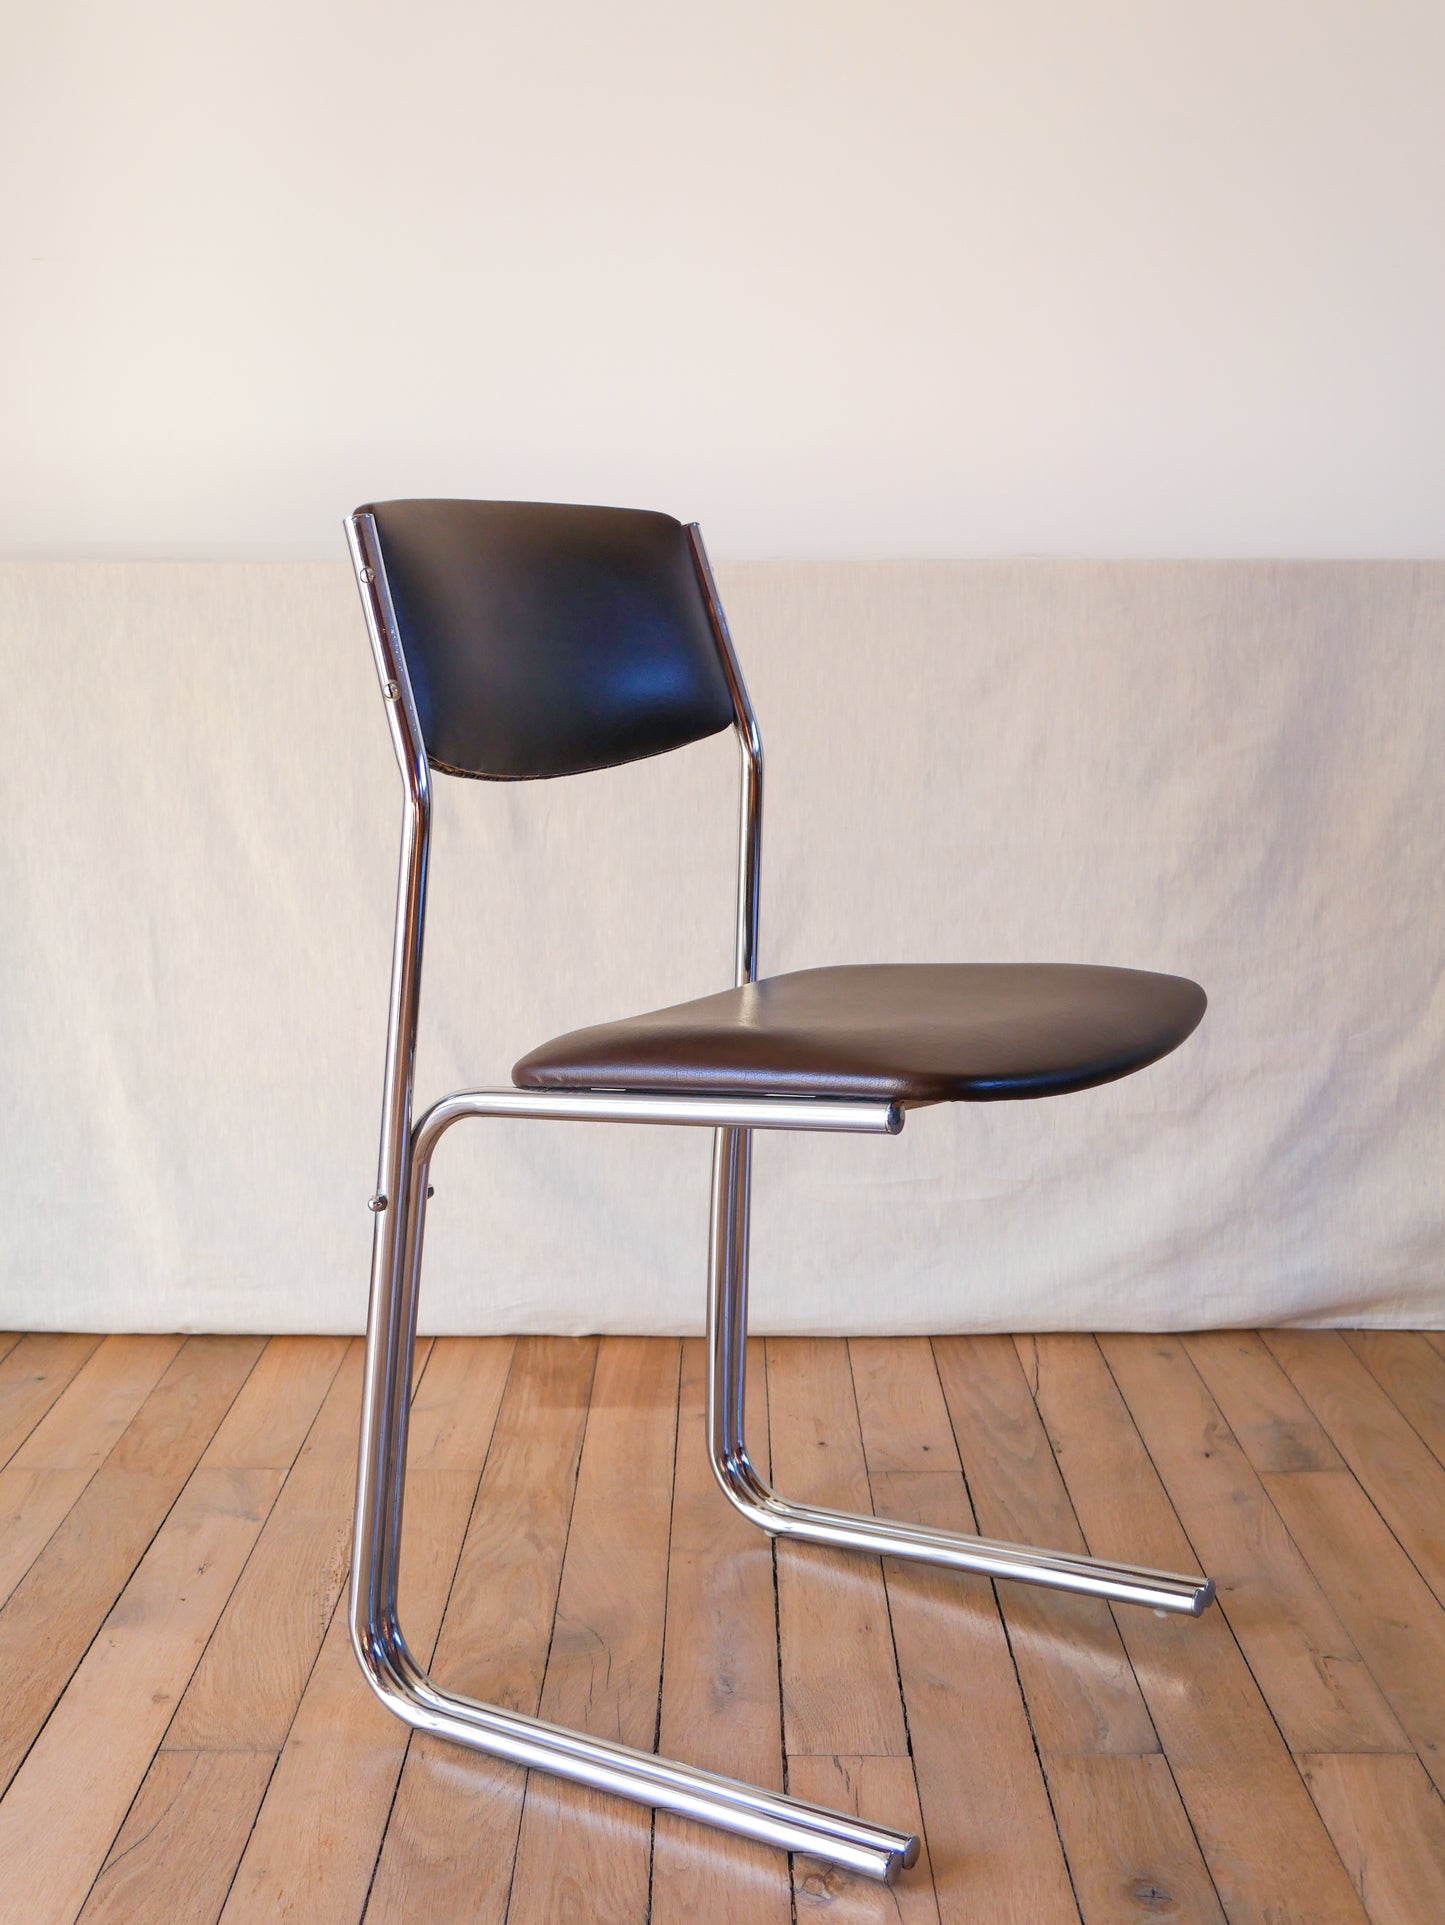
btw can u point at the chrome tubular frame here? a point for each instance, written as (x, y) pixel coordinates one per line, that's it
(399, 1205)
(728, 1300)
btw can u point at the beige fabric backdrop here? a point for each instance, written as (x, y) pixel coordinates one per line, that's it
(1229, 770)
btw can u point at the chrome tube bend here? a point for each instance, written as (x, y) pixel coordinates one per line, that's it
(747, 1811)
(757, 1500)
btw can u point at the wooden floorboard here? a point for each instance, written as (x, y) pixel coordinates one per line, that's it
(184, 1735)
(249, 1682)
(1095, 1735)
(1301, 1656)
(843, 1711)
(451, 1840)
(721, 1707)
(193, 1813)
(1389, 1611)
(70, 1797)
(311, 1853)
(34, 1372)
(840, 1676)
(994, 1849)
(1389, 1824)
(581, 1854)
(56, 1609)
(69, 1444)
(1330, 1710)
(1267, 1849)
(1412, 1371)
(1402, 1477)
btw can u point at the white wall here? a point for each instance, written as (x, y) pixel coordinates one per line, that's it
(921, 278)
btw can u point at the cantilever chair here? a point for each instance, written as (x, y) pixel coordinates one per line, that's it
(518, 640)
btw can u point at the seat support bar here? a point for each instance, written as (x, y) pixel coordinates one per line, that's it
(828, 1113)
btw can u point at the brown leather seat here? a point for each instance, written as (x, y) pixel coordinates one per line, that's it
(912, 1033)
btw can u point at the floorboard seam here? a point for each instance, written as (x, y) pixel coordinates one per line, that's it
(180, 1695)
(276, 1755)
(666, 1593)
(280, 1492)
(552, 1628)
(80, 1494)
(1395, 1403)
(1224, 1616)
(140, 1559)
(43, 1413)
(1369, 1495)
(442, 1617)
(1123, 1645)
(778, 1639)
(882, 1567)
(1008, 1639)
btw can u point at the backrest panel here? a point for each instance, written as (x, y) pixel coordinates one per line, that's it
(544, 640)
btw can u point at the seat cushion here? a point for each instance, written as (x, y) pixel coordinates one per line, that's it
(912, 1033)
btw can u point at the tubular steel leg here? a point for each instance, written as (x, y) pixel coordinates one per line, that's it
(1164, 1591)
(402, 1684)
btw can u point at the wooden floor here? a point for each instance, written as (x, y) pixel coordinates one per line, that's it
(184, 1734)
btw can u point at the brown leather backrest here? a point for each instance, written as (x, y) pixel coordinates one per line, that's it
(544, 640)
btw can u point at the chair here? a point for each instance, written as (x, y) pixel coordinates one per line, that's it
(516, 641)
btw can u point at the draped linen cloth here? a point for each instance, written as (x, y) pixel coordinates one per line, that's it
(1232, 771)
